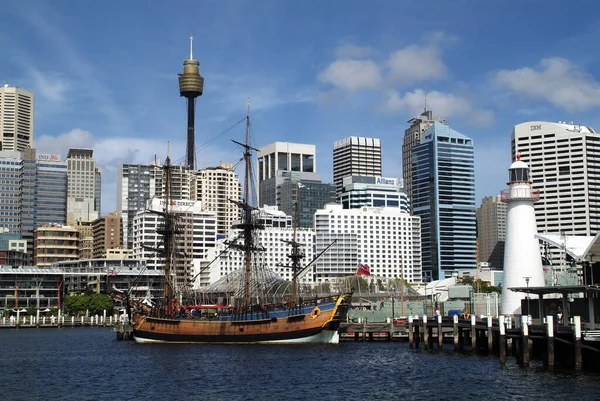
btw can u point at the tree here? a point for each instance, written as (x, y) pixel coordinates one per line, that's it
(89, 301)
(359, 284)
(480, 286)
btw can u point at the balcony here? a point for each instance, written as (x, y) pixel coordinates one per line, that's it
(520, 194)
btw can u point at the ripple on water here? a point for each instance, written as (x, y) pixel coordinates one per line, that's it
(88, 363)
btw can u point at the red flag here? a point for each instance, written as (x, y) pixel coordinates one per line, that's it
(363, 270)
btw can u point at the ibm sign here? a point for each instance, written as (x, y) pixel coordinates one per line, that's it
(397, 182)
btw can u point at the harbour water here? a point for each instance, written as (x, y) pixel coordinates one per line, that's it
(90, 364)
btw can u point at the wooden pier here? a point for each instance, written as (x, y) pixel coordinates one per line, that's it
(505, 336)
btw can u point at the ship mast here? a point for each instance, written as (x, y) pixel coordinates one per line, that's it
(296, 255)
(168, 235)
(247, 213)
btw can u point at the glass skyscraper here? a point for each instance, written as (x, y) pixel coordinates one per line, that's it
(443, 188)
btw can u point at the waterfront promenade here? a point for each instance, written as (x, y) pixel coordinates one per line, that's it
(25, 322)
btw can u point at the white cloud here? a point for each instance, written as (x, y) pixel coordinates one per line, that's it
(334, 97)
(557, 81)
(352, 51)
(445, 105)
(50, 85)
(265, 93)
(112, 152)
(416, 63)
(352, 75)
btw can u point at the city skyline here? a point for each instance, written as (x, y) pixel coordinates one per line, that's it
(320, 76)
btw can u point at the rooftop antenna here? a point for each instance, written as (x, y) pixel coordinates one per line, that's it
(425, 100)
(168, 148)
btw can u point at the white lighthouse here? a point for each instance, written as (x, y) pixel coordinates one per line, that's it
(522, 259)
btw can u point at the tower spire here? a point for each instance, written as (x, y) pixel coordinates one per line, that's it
(191, 47)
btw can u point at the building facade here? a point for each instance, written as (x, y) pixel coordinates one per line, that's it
(274, 238)
(281, 161)
(362, 191)
(197, 234)
(384, 238)
(44, 192)
(82, 178)
(215, 188)
(107, 233)
(443, 188)
(55, 243)
(311, 196)
(136, 185)
(355, 156)
(412, 138)
(491, 231)
(16, 119)
(564, 161)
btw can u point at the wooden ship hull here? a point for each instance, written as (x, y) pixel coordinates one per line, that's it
(317, 323)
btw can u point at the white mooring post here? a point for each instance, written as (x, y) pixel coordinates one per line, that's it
(502, 339)
(473, 333)
(549, 342)
(577, 342)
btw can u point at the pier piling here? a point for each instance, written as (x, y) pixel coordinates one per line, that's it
(425, 333)
(502, 339)
(577, 342)
(440, 332)
(473, 334)
(549, 360)
(411, 335)
(490, 335)
(455, 332)
(525, 341)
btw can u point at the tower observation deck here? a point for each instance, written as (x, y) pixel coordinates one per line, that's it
(191, 84)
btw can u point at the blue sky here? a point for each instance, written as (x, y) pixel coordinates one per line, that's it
(105, 74)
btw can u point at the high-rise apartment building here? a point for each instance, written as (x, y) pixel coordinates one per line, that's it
(13, 192)
(107, 233)
(215, 187)
(412, 138)
(491, 230)
(355, 156)
(82, 177)
(16, 119)
(443, 188)
(137, 184)
(564, 162)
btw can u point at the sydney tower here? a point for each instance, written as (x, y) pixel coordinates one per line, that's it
(191, 84)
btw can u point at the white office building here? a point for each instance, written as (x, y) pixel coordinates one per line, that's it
(215, 187)
(278, 229)
(197, 234)
(16, 119)
(564, 161)
(384, 238)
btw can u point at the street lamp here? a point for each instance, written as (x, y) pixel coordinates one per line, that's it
(527, 283)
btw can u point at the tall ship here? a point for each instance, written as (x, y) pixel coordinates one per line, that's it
(252, 304)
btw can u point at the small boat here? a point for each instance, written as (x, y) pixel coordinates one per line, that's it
(260, 308)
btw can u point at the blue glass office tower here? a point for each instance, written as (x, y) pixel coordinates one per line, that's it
(44, 192)
(443, 179)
